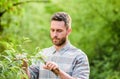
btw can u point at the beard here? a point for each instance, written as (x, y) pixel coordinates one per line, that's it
(58, 41)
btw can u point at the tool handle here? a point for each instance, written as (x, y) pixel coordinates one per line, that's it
(56, 71)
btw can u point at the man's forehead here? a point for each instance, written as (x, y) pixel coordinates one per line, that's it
(58, 24)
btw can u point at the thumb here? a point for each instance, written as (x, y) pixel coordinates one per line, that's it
(24, 63)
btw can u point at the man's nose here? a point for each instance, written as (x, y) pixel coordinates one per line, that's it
(55, 33)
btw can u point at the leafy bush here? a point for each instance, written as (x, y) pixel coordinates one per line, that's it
(95, 26)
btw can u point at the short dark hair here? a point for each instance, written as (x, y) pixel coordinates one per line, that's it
(62, 16)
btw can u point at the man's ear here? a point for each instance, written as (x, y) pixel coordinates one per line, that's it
(69, 31)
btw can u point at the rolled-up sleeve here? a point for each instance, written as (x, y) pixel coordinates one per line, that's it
(81, 69)
(34, 72)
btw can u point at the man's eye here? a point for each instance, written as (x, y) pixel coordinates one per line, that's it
(59, 30)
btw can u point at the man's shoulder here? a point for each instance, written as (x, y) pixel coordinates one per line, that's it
(76, 50)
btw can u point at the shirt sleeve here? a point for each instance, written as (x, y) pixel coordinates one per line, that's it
(81, 68)
(34, 72)
(34, 69)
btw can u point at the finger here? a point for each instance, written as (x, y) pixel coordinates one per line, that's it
(52, 66)
(55, 67)
(49, 65)
(45, 67)
(24, 63)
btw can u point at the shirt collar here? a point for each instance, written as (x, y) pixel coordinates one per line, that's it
(63, 49)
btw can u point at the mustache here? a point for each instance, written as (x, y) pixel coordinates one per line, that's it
(55, 38)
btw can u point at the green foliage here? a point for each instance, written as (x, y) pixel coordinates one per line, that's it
(95, 26)
(8, 65)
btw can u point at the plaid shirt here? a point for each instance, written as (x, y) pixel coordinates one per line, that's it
(70, 59)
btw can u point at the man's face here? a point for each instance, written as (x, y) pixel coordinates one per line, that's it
(58, 32)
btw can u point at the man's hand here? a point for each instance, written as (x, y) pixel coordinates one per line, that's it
(25, 68)
(52, 66)
(55, 69)
(24, 64)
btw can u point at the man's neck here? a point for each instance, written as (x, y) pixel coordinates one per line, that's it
(59, 47)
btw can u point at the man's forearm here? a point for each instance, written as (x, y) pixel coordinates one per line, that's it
(64, 75)
(54, 67)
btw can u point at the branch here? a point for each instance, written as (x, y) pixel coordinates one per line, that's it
(19, 3)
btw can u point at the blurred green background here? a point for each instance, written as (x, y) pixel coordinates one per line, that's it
(24, 28)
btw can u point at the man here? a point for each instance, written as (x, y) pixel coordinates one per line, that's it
(64, 61)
